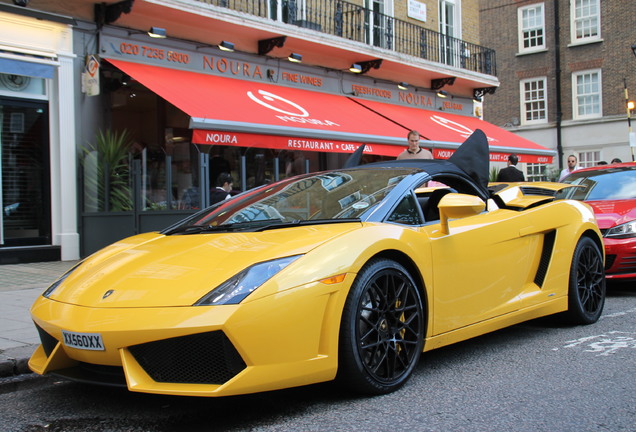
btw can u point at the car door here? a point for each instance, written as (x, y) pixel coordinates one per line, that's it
(480, 267)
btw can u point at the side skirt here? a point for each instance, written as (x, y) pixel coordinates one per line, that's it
(552, 307)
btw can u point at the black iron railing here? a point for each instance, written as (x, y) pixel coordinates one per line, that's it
(357, 23)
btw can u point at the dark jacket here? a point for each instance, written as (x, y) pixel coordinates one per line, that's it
(510, 174)
(217, 195)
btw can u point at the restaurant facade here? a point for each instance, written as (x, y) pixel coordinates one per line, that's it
(139, 129)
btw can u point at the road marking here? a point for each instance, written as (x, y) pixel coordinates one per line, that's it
(603, 344)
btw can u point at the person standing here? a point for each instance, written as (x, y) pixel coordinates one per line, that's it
(414, 151)
(511, 173)
(222, 190)
(572, 166)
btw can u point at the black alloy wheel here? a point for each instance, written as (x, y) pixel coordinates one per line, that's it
(587, 283)
(382, 330)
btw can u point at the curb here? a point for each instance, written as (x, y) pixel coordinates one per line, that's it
(15, 361)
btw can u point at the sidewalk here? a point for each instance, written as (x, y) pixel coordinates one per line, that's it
(20, 285)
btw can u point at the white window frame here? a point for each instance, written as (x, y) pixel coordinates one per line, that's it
(387, 10)
(583, 13)
(450, 54)
(536, 172)
(590, 94)
(535, 98)
(524, 26)
(589, 158)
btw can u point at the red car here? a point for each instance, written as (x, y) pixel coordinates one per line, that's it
(611, 191)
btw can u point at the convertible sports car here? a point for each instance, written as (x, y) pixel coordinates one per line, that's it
(345, 275)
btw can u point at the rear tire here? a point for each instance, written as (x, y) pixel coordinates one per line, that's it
(382, 329)
(586, 295)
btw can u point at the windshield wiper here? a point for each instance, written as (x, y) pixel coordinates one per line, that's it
(196, 229)
(295, 223)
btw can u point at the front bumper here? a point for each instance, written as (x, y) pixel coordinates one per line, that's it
(276, 342)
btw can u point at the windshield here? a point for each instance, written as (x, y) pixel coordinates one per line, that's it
(609, 184)
(317, 197)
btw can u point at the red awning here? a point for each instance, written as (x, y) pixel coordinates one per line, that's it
(233, 105)
(446, 127)
(229, 111)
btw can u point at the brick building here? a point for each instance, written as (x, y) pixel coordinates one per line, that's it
(564, 66)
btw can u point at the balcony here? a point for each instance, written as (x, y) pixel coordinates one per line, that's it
(356, 23)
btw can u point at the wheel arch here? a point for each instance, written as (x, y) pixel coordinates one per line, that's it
(594, 236)
(406, 261)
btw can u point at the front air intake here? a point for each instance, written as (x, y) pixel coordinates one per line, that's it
(203, 358)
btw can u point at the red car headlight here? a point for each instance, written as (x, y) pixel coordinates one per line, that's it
(626, 230)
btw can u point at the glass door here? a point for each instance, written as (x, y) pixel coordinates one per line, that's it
(448, 32)
(25, 173)
(378, 23)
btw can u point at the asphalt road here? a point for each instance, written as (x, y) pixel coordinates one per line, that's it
(533, 377)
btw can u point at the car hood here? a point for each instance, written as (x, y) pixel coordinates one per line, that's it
(612, 213)
(154, 270)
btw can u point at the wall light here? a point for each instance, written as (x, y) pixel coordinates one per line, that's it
(157, 32)
(403, 86)
(226, 46)
(296, 58)
(442, 93)
(365, 66)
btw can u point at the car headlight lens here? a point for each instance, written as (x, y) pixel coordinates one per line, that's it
(626, 230)
(58, 282)
(239, 286)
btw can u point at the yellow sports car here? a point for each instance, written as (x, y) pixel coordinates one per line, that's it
(345, 275)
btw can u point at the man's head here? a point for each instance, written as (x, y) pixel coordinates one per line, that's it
(572, 162)
(414, 140)
(513, 159)
(616, 160)
(224, 181)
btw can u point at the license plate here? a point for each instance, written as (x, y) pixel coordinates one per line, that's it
(84, 341)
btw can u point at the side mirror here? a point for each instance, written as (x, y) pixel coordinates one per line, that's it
(456, 206)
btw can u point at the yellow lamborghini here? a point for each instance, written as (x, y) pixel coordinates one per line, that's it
(345, 275)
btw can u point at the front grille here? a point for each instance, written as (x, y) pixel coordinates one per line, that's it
(203, 358)
(48, 341)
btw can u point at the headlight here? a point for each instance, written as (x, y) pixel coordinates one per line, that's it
(239, 286)
(58, 282)
(626, 230)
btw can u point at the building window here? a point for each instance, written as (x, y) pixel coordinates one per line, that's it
(589, 159)
(586, 87)
(531, 28)
(533, 101)
(536, 172)
(586, 20)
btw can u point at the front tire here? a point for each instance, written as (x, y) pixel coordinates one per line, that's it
(586, 296)
(382, 330)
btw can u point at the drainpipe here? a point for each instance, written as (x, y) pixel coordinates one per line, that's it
(557, 66)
